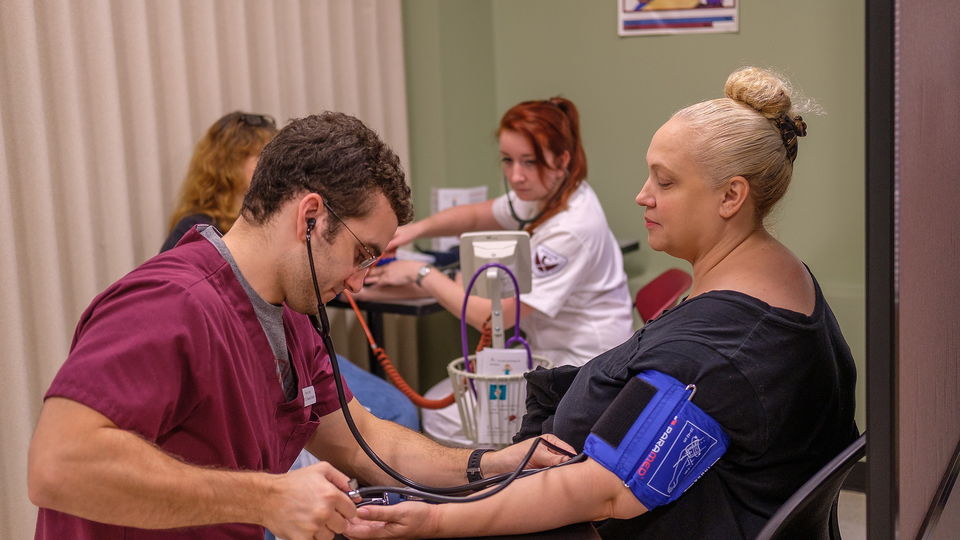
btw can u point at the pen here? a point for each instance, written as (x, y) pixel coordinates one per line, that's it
(385, 260)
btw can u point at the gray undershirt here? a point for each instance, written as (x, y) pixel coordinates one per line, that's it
(269, 315)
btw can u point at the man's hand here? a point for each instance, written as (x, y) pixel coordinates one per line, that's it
(309, 503)
(507, 459)
(81, 463)
(405, 520)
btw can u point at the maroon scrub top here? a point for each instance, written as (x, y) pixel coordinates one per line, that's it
(174, 352)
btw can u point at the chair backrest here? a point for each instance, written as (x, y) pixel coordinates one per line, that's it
(811, 512)
(661, 293)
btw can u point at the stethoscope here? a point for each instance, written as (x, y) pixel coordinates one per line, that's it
(522, 223)
(413, 491)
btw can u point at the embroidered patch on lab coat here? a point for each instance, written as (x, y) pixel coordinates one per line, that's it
(547, 262)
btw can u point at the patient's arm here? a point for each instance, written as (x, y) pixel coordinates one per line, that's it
(571, 494)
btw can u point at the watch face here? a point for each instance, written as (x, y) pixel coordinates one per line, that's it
(422, 272)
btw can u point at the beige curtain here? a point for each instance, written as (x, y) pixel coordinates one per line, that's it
(101, 102)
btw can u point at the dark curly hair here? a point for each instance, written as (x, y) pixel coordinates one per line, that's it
(332, 154)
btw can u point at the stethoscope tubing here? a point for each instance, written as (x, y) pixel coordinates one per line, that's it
(501, 482)
(522, 223)
(413, 489)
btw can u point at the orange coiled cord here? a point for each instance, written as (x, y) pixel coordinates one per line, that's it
(486, 339)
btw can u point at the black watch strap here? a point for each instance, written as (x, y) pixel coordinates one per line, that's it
(473, 464)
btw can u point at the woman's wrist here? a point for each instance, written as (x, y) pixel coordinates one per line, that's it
(434, 523)
(422, 273)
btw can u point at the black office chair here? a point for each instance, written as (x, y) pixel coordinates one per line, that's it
(811, 512)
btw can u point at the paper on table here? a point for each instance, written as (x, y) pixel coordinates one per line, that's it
(443, 198)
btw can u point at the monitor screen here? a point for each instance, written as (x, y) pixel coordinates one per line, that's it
(509, 248)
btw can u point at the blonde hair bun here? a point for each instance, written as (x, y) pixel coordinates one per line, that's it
(752, 132)
(760, 89)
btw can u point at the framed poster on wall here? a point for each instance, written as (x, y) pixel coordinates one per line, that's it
(641, 18)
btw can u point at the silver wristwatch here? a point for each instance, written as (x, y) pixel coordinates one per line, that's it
(422, 273)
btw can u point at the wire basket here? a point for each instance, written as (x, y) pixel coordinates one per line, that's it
(506, 397)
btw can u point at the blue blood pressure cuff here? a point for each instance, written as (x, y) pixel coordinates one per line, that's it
(655, 439)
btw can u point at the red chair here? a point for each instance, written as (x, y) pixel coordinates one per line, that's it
(661, 293)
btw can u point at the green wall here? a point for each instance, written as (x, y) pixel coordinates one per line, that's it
(467, 62)
(451, 95)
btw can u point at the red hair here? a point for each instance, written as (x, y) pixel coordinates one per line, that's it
(550, 125)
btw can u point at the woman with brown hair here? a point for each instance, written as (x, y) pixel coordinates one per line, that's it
(219, 173)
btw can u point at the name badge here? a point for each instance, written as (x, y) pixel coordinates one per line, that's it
(309, 396)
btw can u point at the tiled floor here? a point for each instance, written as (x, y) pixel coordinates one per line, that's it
(852, 511)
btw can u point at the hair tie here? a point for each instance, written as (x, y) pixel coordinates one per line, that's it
(790, 129)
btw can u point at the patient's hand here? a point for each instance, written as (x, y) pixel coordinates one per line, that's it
(507, 459)
(393, 281)
(387, 293)
(397, 273)
(404, 520)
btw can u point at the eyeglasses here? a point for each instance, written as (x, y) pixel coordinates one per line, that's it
(371, 258)
(250, 119)
(256, 120)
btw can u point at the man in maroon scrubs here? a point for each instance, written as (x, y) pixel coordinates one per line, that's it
(195, 380)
